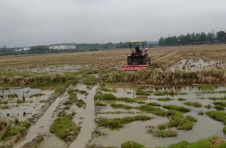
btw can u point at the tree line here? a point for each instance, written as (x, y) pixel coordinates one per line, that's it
(194, 39)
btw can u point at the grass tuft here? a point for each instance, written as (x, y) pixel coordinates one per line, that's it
(177, 108)
(194, 104)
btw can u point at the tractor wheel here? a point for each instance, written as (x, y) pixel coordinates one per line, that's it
(129, 60)
(144, 60)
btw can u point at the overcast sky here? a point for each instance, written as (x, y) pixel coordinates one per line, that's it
(35, 22)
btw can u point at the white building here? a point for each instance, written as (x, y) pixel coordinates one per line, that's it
(22, 49)
(65, 46)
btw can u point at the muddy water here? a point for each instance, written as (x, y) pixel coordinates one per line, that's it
(88, 124)
(31, 106)
(136, 131)
(197, 65)
(43, 124)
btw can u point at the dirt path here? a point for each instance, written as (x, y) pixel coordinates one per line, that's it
(88, 122)
(42, 125)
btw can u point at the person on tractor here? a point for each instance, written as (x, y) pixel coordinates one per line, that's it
(137, 49)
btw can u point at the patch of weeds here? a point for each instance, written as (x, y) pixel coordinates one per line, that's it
(37, 95)
(194, 104)
(141, 102)
(105, 97)
(20, 101)
(162, 126)
(153, 104)
(132, 144)
(4, 102)
(72, 99)
(224, 130)
(119, 122)
(180, 123)
(153, 110)
(217, 115)
(98, 103)
(90, 80)
(80, 103)
(81, 91)
(121, 106)
(200, 113)
(208, 87)
(182, 99)
(177, 108)
(164, 99)
(219, 107)
(219, 98)
(159, 93)
(142, 92)
(220, 103)
(70, 91)
(208, 106)
(192, 119)
(170, 93)
(98, 146)
(59, 90)
(64, 126)
(125, 99)
(164, 134)
(129, 92)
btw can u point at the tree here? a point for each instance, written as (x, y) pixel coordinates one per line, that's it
(221, 36)
(210, 37)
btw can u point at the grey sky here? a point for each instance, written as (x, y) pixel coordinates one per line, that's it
(34, 22)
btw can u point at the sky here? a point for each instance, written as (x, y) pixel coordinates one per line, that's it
(44, 22)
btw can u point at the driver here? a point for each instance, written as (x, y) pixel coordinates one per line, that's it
(137, 49)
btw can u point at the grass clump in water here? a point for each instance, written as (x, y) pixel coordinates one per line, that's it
(162, 126)
(217, 115)
(80, 103)
(72, 99)
(208, 106)
(98, 103)
(141, 102)
(177, 108)
(219, 107)
(64, 126)
(119, 122)
(105, 97)
(20, 101)
(224, 130)
(220, 103)
(153, 110)
(164, 134)
(90, 80)
(142, 92)
(70, 91)
(181, 99)
(121, 106)
(153, 104)
(192, 119)
(180, 123)
(194, 104)
(200, 113)
(132, 144)
(125, 99)
(164, 99)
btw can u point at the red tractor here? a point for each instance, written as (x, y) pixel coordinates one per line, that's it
(138, 59)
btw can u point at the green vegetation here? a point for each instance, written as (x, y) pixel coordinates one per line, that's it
(141, 102)
(162, 126)
(98, 103)
(20, 101)
(64, 127)
(81, 91)
(177, 108)
(220, 103)
(219, 107)
(194, 104)
(72, 99)
(153, 110)
(105, 97)
(70, 91)
(125, 99)
(80, 103)
(153, 104)
(164, 134)
(59, 90)
(208, 106)
(180, 123)
(121, 106)
(212, 92)
(119, 122)
(200, 113)
(218, 98)
(192, 119)
(164, 99)
(181, 99)
(170, 93)
(217, 115)
(142, 92)
(90, 80)
(131, 144)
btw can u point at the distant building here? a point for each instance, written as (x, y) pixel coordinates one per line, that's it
(64, 46)
(19, 49)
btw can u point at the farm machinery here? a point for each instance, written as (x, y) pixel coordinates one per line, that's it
(138, 59)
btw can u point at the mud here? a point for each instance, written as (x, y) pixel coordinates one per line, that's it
(197, 65)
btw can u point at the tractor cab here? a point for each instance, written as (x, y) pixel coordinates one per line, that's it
(138, 59)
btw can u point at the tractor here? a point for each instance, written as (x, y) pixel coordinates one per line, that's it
(135, 60)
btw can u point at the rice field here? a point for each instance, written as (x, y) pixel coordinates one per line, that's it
(83, 100)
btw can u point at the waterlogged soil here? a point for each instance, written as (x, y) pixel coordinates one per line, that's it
(32, 101)
(197, 65)
(54, 68)
(137, 131)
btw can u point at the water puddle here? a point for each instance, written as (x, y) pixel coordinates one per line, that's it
(197, 65)
(88, 124)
